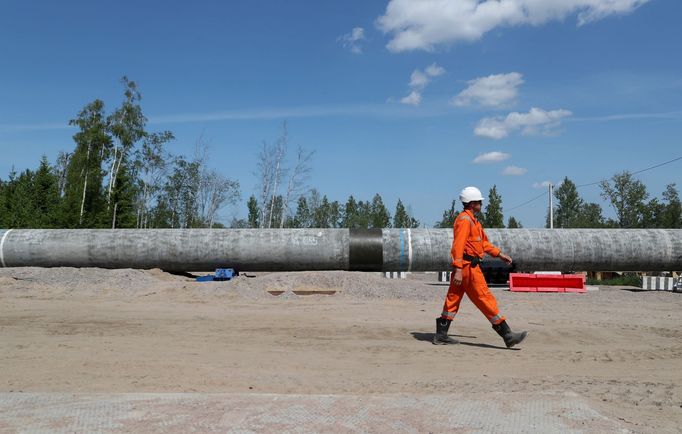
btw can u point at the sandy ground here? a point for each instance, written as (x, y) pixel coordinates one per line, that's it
(126, 331)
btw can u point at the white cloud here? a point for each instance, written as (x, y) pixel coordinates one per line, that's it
(491, 157)
(419, 80)
(352, 40)
(434, 70)
(536, 121)
(496, 91)
(414, 98)
(425, 24)
(514, 171)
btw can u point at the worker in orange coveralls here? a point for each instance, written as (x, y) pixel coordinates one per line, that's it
(468, 247)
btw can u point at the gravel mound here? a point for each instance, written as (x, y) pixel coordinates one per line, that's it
(284, 285)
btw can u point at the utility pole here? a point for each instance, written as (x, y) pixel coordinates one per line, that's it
(551, 207)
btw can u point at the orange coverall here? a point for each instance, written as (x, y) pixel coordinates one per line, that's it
(470, 239)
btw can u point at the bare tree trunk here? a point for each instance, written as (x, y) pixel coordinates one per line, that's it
(280, 153)
(144, 208)
(112, 177)
(274, 194)
(298, 176)
(266, 179)
(113, 222)
(62, 166)
(85, 185)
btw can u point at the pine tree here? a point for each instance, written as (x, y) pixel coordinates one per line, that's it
(3, 204)
(322, 214)
(380, 217)
(364, 215)
(448, 219)
(402, 218)
(335, 214)
(161, 215)
(45, 198)
(672, 214)
(123, 199)
(254, 212)
(569, 205)
(22, 203)
(302, 217)
(7, 219)
(350, 214)
(513, 223)
(590, 216)
(493, 217)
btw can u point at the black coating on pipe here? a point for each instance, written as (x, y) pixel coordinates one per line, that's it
(365, 250)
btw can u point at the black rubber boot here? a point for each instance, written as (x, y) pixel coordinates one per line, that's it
(441, 337)
(510, 338)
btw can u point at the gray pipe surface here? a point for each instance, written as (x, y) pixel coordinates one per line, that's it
(336, 249)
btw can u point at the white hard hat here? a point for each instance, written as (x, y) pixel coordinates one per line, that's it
(470, 194)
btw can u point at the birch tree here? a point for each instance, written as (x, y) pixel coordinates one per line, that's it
(178, 204)
(61, 166)
(151, 167)
(627, 196)
(279, 153)
(218, 191)
(127, 126)
(274, 175)
(82, 190)
(297, 181)
(265, 175)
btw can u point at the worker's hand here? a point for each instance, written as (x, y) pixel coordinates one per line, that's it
(457, 277)
(505, 258)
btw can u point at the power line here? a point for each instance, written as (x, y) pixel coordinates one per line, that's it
(658, 165)
(596, 182)
(527, 202)
(633, 173)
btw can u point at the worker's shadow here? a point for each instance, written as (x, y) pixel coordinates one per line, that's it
(428, 337)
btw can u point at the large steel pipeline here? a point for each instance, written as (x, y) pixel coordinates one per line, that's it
(336, 249)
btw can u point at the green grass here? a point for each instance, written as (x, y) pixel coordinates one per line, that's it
(625, 280)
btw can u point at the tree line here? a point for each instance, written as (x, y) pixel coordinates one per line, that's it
(119, 175)
(285, 199)
(314, 210)
(632, 203)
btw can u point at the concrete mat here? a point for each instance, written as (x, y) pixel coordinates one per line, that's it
(247, 413)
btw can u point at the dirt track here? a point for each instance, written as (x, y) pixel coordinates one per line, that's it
(67, 330)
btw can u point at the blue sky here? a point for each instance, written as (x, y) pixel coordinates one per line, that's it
(412, 99)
